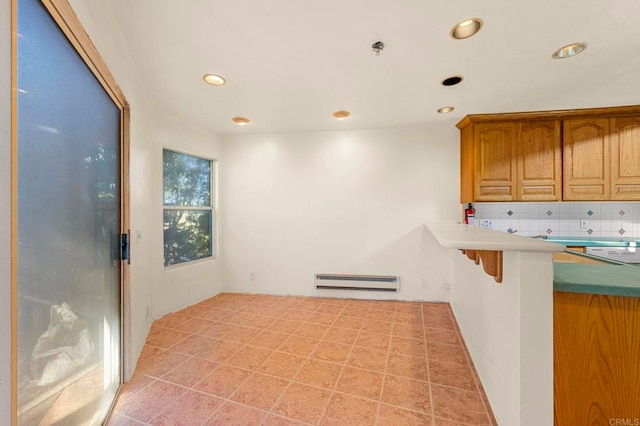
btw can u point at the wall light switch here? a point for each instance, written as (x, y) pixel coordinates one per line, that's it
(584, 223)
(138, 236)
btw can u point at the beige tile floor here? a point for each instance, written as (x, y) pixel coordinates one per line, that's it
(240, 359)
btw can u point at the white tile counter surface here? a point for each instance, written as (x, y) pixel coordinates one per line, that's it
(460, 236)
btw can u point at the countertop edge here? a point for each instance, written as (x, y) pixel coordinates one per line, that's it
(467, 237)
(600, 290)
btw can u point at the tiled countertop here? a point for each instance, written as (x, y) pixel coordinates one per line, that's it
(608, 278)
(595, 242)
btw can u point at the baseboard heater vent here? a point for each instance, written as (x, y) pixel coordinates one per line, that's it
(357, 282)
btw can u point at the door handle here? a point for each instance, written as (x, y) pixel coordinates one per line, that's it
(125, 248)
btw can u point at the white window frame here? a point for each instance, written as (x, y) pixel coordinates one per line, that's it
(213, 202)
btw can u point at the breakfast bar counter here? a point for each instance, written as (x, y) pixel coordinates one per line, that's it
(459, 236)
(554, 334)
(501, 294)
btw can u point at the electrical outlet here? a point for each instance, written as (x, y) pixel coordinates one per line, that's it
(584, 223)
(424, 283)
(252, 276)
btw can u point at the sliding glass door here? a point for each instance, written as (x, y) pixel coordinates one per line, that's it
(69, 212)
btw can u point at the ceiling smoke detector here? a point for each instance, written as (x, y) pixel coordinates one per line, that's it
(377, 47)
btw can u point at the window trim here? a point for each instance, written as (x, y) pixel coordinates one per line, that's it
(213, 208)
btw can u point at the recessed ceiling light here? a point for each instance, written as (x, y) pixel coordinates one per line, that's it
(446, 110)
(241, 121)
(341, 115)
(452, 81)
(569, 50)
(214, 79)
(466, 28)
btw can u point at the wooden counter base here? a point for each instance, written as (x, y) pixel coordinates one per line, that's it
(596, 359)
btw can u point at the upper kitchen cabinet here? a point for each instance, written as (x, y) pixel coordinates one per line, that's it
(572, 155)
(625, 158)
(511, 161)
(495, 151)
(539, 158)
(586, 159)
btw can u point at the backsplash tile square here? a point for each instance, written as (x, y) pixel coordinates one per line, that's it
(604, 219)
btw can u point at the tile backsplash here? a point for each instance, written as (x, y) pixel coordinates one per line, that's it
(566, 219)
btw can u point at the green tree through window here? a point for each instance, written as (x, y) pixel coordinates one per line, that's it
(188, 208)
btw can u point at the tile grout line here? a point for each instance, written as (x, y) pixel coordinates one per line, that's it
(331, 341)
(250, 312)
(221, 363)
(335, 385)
(224, 399)
(474, 373)
(175, 384)
(228, 399)
(333, 390)
(469, 364)
(344, 365)
(255, 371)
(426, 348)
(385, 373)
(302, 366)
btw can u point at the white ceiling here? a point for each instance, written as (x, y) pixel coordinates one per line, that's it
(291, 63)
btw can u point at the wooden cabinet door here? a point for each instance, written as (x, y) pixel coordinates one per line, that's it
(495, 165)
(539, 161)
(625, 158)
(586, 161)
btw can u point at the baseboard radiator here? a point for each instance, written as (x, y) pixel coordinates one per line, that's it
(357, 282)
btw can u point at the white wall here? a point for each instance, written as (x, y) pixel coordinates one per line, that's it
(5, 212)
(177, 287)
(508, 329)
(337, 202)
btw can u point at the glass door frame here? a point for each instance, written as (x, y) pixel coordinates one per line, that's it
(71, 26)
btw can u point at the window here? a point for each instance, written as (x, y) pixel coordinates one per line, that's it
(188, 212)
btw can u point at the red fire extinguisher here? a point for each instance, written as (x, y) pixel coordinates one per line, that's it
(469, 213)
